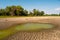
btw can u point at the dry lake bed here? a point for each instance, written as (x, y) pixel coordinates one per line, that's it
(30, 28)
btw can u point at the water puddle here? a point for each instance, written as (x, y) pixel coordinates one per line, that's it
(23, 27)
(33, 26)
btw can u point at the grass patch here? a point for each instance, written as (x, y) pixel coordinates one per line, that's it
(25, 16)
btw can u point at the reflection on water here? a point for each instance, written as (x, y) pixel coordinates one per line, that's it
(24, 27)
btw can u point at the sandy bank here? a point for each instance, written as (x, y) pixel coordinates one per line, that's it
(8, 22)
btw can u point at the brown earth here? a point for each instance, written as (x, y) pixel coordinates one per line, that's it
(49, 34)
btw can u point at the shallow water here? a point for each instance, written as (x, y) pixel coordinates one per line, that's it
(33, 26)
(24, 27)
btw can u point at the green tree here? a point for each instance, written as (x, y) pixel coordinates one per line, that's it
(25, 13)
(42, 13)
(38, 13)
(14, 10)
(2, 12)
(30, 13)
(34, 12)
(19, 11)
(9, 10)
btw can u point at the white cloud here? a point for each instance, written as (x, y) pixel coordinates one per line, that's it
(57, 9)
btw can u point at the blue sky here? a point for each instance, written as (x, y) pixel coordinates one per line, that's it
(49, 6)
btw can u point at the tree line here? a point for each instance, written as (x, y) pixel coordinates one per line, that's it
(20, 11)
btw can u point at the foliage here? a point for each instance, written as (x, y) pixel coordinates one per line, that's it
(36, 13)
(20, 11)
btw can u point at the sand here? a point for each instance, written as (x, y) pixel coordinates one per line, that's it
(49, 34)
